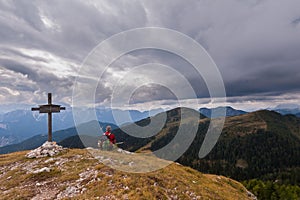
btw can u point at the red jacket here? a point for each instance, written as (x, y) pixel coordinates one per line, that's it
(111, 137)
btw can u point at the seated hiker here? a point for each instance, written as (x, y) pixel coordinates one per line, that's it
(110, 135)
(107, 140)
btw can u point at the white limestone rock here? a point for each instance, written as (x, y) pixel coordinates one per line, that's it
(44, 169)
(47, 149)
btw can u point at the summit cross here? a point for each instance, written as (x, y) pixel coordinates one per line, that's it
(49, 108)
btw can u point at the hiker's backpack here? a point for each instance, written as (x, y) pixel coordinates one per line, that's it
(104, 143)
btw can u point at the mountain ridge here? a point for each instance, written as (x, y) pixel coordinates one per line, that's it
(219, 111)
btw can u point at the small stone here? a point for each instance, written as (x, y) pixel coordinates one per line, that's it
(44, 169)
(83, 190)
(38, 184)
(49, 160)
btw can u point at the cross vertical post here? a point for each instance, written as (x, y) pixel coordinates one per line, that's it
(49, 119)
(49, 108)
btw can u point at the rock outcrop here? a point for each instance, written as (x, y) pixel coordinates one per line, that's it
(47, 149)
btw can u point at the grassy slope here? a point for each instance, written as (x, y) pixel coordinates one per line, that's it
(254, 145)
(91, 179)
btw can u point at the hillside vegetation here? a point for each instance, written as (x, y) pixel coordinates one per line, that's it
(262, 144)
(76, 174)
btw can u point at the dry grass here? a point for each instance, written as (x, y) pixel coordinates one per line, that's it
(11, 158)
(143, 162)
(68, 168)
(244, 124)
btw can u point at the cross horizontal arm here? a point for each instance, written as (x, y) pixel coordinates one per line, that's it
(51, 108)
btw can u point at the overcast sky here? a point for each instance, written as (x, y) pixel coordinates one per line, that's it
(254, 43)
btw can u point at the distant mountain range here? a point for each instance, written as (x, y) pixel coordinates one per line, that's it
(286, 111)
(219, 111)
(17, 126)
(90, 128)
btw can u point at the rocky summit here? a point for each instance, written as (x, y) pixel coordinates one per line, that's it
(47, 149)
(45, 173)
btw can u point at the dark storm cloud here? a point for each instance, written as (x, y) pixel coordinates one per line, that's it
(151, 92)
(255, 44)
(279, 81)
(182, 66)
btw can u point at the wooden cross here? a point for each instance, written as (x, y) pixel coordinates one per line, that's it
(49, 108)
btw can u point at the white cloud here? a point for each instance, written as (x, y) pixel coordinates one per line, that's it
(49, 23)
(50, 62)
(8, 91)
